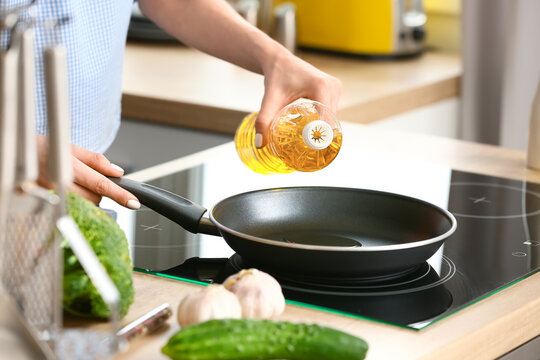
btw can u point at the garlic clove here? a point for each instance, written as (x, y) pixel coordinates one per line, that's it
(212, 302)
(260, 295)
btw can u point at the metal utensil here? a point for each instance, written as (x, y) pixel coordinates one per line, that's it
(30, 250)
(8, 113)
(265, 15)
(533, 146)
(285, 25)
(248, 9)
(74, 342)
(18, 339)
(145, 324)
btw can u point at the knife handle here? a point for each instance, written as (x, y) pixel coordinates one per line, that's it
(27, 166)
(8, 114)
(58, 115)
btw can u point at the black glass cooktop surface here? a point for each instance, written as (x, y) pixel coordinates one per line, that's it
(496, 243)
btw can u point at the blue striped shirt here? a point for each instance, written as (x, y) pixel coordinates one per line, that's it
(94, 39)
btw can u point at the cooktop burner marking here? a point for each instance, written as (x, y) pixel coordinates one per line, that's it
(479, 200)
(519, 254)
(152, 227)
(483, 199)
(531, 242)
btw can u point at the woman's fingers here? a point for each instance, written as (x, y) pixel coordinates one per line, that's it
(288, 79)
(272, 102)
(90, 171)
(96, 161)
(95, 182)
(329, 92)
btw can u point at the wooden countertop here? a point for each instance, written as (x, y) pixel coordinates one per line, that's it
(178, 85)
(483, 330)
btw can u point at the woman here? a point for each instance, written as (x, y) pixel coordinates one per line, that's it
(95, 41)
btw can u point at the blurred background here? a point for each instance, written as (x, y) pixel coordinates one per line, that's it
(453, 68)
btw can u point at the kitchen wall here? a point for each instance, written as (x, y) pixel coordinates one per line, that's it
(521, 72)
(443, 33)
(501, 67)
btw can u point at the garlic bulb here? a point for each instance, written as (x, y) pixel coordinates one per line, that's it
(259, 293)
(212, 302)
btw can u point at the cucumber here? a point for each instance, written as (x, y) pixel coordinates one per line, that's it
(239, 339)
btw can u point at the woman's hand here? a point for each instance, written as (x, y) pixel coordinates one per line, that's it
(288, 78)
(90, 171)
(216, 28)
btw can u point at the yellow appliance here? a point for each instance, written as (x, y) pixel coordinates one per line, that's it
(364, 27)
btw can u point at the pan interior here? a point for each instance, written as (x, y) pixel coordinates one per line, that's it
(331, 217)
(323, 238)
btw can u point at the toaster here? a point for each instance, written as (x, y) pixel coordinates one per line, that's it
(373, 28)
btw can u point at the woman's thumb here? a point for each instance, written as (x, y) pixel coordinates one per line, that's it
(270, 107)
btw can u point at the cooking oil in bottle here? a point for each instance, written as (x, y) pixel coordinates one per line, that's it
(305, 136)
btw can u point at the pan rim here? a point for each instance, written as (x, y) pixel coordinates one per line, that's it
(393, 247)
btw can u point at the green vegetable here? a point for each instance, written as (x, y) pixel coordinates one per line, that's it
(238, 339)
(110, 245)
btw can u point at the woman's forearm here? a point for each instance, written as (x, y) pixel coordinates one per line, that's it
(214, 27)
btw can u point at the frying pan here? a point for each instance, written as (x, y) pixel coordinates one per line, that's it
(314, 232)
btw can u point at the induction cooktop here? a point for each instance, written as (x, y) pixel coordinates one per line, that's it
(496, 244)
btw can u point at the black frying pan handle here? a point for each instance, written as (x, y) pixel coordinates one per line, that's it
(182, 211)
